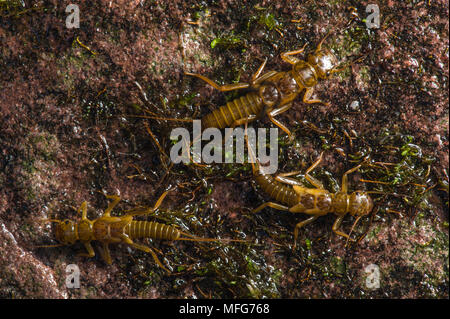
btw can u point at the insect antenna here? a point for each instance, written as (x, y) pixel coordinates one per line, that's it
(189, 237)
(159, 118)
(153, 114)
(49, 220)
(46, 246)
(345, 65)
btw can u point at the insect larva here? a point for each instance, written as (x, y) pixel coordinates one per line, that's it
(109, 229)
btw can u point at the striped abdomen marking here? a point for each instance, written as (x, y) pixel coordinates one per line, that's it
(141, 229)
(242, 107)
(277, 190)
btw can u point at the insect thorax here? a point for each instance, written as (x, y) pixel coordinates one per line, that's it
(305, 74)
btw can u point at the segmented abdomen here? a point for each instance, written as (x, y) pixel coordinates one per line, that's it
(242, 107)
(141, 229)
(277, 190)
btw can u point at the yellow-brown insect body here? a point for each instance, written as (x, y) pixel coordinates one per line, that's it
(358, 203)
(276, 91)
(112, 231)
(298, 199)
(242, 107)
(121, 229)
(272, 92)
(143, 229)
(66, 232)
(292, 196)
(315, 201)
(324, 63)
(276, 190)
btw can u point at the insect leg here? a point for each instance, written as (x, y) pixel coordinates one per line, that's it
(280, 110)
(307, 98)
(116, 200)
(277, 111)
(244, 120)
(90, 251)
(272, 205)
(263, 77)
(160, 200)
(148, 211)
(344, 183)
(106, 254)
(281, 126)
(259, 71)
(289, 173)
(286, 56)
(221, 88)
(150, 251)
(353, 226)
(189, 151)
(316, 183)
(288, 180)
(83, 209)
(336, 226)
(257, 78)
(300, 225)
